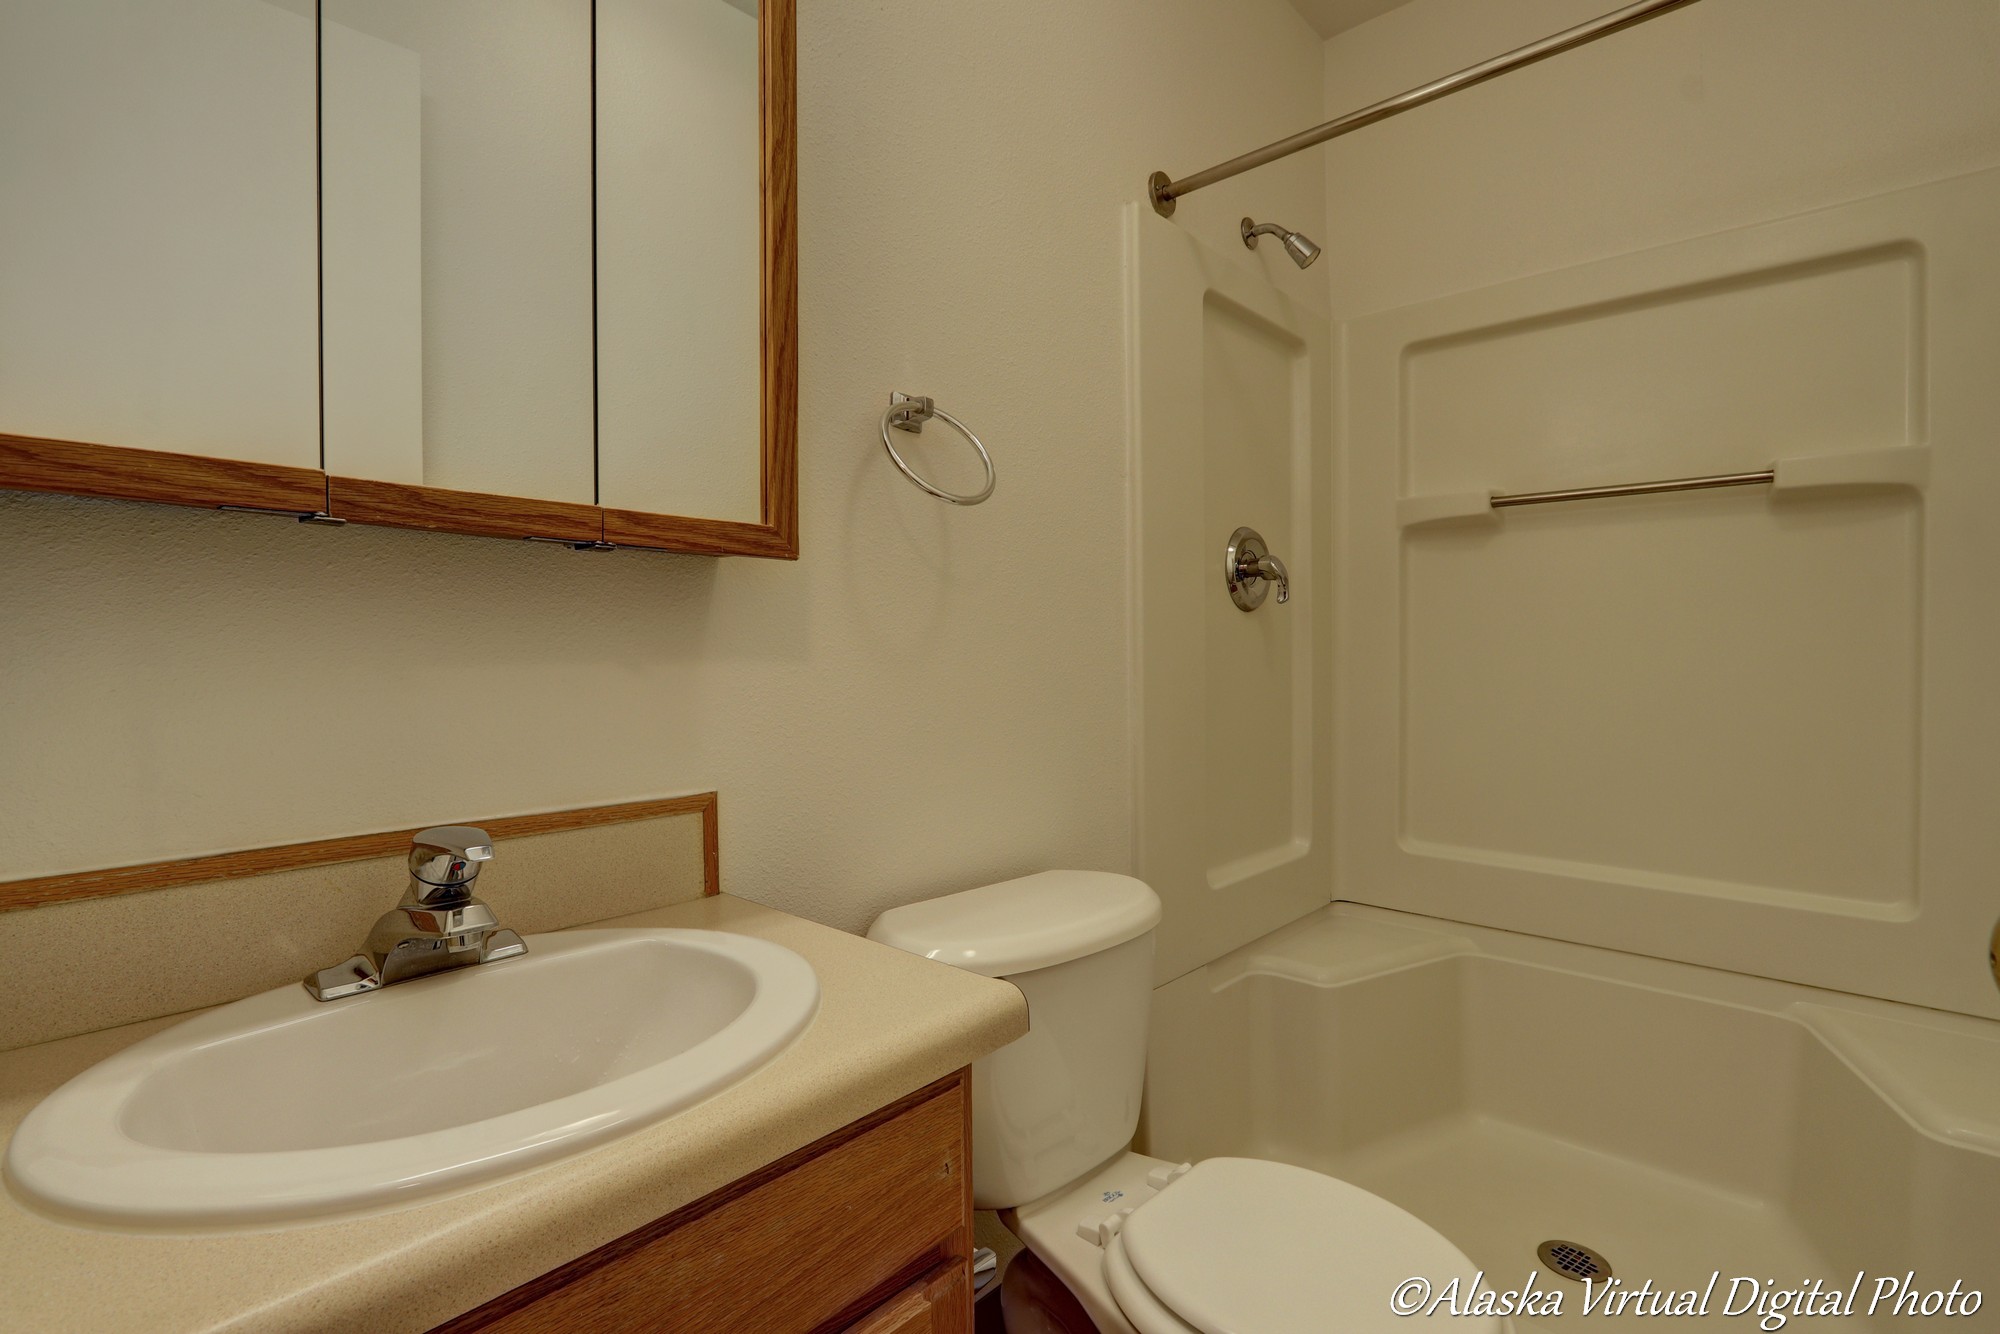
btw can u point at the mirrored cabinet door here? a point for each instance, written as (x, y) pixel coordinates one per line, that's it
(510, 268)
(158, 246)
(679, 254)
(456, 198)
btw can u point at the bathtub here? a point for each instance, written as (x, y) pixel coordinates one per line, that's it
(1711, 1132)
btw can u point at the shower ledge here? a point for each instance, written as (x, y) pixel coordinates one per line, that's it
(1942, 1074)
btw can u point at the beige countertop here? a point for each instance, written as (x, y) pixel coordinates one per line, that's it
(888, 1024)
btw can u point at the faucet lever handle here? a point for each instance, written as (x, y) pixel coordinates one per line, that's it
(449, 855)
(1249, 570)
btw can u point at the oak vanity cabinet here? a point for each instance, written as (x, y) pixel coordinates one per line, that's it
(869, 1230)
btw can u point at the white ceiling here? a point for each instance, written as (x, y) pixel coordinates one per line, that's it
(1333, 16)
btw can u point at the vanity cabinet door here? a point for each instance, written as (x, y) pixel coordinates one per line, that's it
(935, 1305)
(456, 137)
(158, 242)
(832, 1235)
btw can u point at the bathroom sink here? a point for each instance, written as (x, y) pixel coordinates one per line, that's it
(279, 1108)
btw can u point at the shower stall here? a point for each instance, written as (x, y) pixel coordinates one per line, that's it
(1594, 855)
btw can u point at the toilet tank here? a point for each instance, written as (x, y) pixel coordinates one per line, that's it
(1051, 1106)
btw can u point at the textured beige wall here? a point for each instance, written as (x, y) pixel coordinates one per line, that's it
(933, 698)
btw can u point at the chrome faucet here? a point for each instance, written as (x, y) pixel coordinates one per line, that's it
(438, 925)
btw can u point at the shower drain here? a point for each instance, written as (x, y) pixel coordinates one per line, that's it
(1573, 1260)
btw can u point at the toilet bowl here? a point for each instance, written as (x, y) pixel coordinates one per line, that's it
(1144, 1246)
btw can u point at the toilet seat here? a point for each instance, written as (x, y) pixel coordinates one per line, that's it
(1241, 1244)
(1135, 1301)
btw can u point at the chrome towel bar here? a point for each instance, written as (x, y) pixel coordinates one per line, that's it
(1762, 478)
(1906, 466)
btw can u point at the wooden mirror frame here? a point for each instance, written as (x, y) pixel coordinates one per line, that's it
(29, 463)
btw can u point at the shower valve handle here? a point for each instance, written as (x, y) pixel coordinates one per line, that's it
(1249, 570)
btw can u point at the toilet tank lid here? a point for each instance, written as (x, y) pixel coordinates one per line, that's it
(1017, 926)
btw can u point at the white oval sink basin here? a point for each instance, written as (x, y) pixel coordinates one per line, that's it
(280, 1108)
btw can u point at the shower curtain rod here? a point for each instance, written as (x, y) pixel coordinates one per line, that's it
(1165, 190)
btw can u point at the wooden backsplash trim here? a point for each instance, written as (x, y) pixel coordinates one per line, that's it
(68, 887)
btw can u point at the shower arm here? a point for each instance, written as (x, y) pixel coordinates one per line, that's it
(1164, 190)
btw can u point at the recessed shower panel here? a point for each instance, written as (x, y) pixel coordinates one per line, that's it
(1743, 727)
(1714, 689)
(1231, 435)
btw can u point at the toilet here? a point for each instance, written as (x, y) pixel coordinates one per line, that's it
(1141, 1245)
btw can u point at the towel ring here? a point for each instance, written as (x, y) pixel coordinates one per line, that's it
(909, 412)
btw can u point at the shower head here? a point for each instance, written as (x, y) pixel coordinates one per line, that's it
(1297, 245)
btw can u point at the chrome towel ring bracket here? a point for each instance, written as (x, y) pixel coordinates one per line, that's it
(909, 412)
